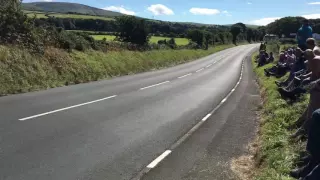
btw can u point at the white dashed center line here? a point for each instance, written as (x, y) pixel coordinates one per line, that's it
(66, 108)
(209, 65)
(200, 70)
(154, 85)
(185, 76)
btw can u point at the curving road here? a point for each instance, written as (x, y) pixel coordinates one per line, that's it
(111, 129)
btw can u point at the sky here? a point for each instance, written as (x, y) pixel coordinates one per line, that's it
(257, 12)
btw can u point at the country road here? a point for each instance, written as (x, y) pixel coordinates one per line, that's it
(115, 129)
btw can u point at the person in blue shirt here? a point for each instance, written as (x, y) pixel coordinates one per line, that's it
(303, 34)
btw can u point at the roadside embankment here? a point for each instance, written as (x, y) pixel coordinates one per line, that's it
(22, 71)
(277, 153)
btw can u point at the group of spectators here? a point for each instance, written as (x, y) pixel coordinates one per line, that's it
(303, 64)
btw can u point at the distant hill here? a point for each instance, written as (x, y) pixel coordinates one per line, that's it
(64, 7)
(248, 25)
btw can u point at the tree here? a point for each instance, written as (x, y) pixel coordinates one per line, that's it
(316, 28)
(196, 36)
(132, 29)
(235, 31)
(250, 35)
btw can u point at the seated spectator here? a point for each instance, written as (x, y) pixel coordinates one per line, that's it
(280, 69)
(312, 170)
(262, 58)
(311, 44)
(297, 69)
(271, 58)
(314, 102)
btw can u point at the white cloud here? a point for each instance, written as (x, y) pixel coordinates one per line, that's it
(311, 16)
(160, 9)
(314, 3)
(120, 9)
(204, 11)
(264, 21)
(226, 13)
(249, 3)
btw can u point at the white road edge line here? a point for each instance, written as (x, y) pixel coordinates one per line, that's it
(200, 70)
(147, 87)
(206, 117)
(66, 108)
(155, 162)
(185, 76)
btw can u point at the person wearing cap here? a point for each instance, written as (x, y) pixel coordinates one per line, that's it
(303, 34)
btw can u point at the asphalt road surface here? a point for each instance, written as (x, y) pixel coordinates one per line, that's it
(112, 129)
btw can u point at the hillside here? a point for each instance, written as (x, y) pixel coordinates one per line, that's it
(63, 7)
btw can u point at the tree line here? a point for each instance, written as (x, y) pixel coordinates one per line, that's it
(286, 26)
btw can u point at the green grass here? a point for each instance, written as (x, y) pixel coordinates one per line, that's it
(179, 41)
(100, 37)
(78, 16)
(22, 71)
(60, 15)
(153, 39)
(277, 153)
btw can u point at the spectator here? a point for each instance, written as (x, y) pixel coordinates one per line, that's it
(271, 58)
(262, 58)
(312, 170)
(303, 34)
(311, 44)
(314, 103)
(297, 69)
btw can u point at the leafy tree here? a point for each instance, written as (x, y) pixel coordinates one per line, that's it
(235, 31)
(250, 35)
(196, 36)
(132, 29)
(285, 26)
(316, 28)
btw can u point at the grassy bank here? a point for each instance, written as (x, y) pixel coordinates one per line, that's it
(277, 153)
(21, 71)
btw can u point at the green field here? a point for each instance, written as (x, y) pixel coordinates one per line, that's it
(153, 39)
(100, 37)
(59, 15)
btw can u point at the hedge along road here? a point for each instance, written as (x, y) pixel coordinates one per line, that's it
(111, 129)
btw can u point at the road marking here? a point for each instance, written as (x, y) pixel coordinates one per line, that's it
(66, 108)
(185, 76)
(155, 162)
(200, 70)
(154, 85)
(206, 117)
(209, 65)
(233, 89)
(223, 100)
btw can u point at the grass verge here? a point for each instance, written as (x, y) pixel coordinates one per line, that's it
(21, 71)
(277, 154)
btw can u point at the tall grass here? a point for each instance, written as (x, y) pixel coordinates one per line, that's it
(21, 71)
(277, 153)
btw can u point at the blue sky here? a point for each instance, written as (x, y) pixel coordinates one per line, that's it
(259, 12)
